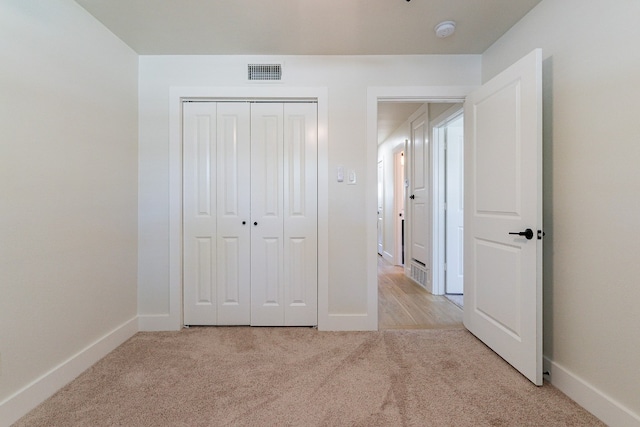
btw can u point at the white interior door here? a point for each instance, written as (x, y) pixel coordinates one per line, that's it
(503, 186)
(267, 217)
(250, 213)
(233, 214)
(380, 206)
(455, 206)
(216, 213)
(300, 214)
(199, 213)
(284, 214)
(419, 198)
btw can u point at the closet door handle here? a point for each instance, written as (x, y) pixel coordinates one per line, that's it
(244, 222)
(255, 223)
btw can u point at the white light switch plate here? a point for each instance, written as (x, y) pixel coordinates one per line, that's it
(351, 179)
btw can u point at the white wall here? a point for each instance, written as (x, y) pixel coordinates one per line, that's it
(592, 192)
(347, 80)
(68, 190)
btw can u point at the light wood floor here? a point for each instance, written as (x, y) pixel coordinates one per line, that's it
(403, 304)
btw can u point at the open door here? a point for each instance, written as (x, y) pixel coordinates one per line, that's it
(503, 215)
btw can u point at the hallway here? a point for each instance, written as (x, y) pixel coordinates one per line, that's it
(402, 304)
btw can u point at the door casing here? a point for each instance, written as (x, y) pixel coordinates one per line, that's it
(425, 94)
(173, 320)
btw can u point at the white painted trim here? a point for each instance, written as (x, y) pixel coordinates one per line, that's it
(350, 322)
(374, 95)
(604, 407)
(156, 322)
(438, 188)
(24, 400)
(173, 320)
(438, 199)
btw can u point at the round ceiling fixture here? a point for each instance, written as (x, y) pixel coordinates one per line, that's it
(445, 29)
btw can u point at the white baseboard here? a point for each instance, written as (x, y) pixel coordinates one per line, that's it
(593, 400)
(158, 322)
(24, 400)
(348, 322)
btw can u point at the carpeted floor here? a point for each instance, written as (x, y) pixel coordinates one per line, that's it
(241, 376)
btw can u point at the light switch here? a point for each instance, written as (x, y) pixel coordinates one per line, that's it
(352, 177)
(340, 173)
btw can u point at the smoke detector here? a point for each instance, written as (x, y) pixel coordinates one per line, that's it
(445, 29)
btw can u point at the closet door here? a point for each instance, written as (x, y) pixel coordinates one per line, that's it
(267, 220)
(284, 214)
(233, 214)
(216, 168)
(250, 214)
(300, 215)
(199, 208)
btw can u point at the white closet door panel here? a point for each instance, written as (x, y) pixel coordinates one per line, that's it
(300, 214)
(199, 207)
(267, 221)
(266, 289)
(233, 213)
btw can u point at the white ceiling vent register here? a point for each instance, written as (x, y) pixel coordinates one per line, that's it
(264, 72)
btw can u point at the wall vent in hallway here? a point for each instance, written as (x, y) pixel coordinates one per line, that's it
(419, 274)
(264, 72)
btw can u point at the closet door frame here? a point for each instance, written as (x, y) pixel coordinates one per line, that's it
(173, 320)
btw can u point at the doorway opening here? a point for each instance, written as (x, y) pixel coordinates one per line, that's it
(414, 264)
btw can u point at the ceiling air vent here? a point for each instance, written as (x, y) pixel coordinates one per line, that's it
(265, 72)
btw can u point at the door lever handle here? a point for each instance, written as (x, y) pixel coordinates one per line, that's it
(528, 233)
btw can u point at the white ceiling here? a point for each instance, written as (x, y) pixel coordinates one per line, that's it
(309, 27)
(306, 27)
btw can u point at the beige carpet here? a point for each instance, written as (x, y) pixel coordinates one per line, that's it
(244, 376)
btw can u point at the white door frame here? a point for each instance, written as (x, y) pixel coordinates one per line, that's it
(174, 319)
(439, 170)
(450, 94)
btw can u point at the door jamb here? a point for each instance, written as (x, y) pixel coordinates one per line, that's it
(439, 187)
(432, 94)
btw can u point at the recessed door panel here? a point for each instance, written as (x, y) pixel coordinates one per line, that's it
(498, 300)
(498, 158)
(204, 277)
